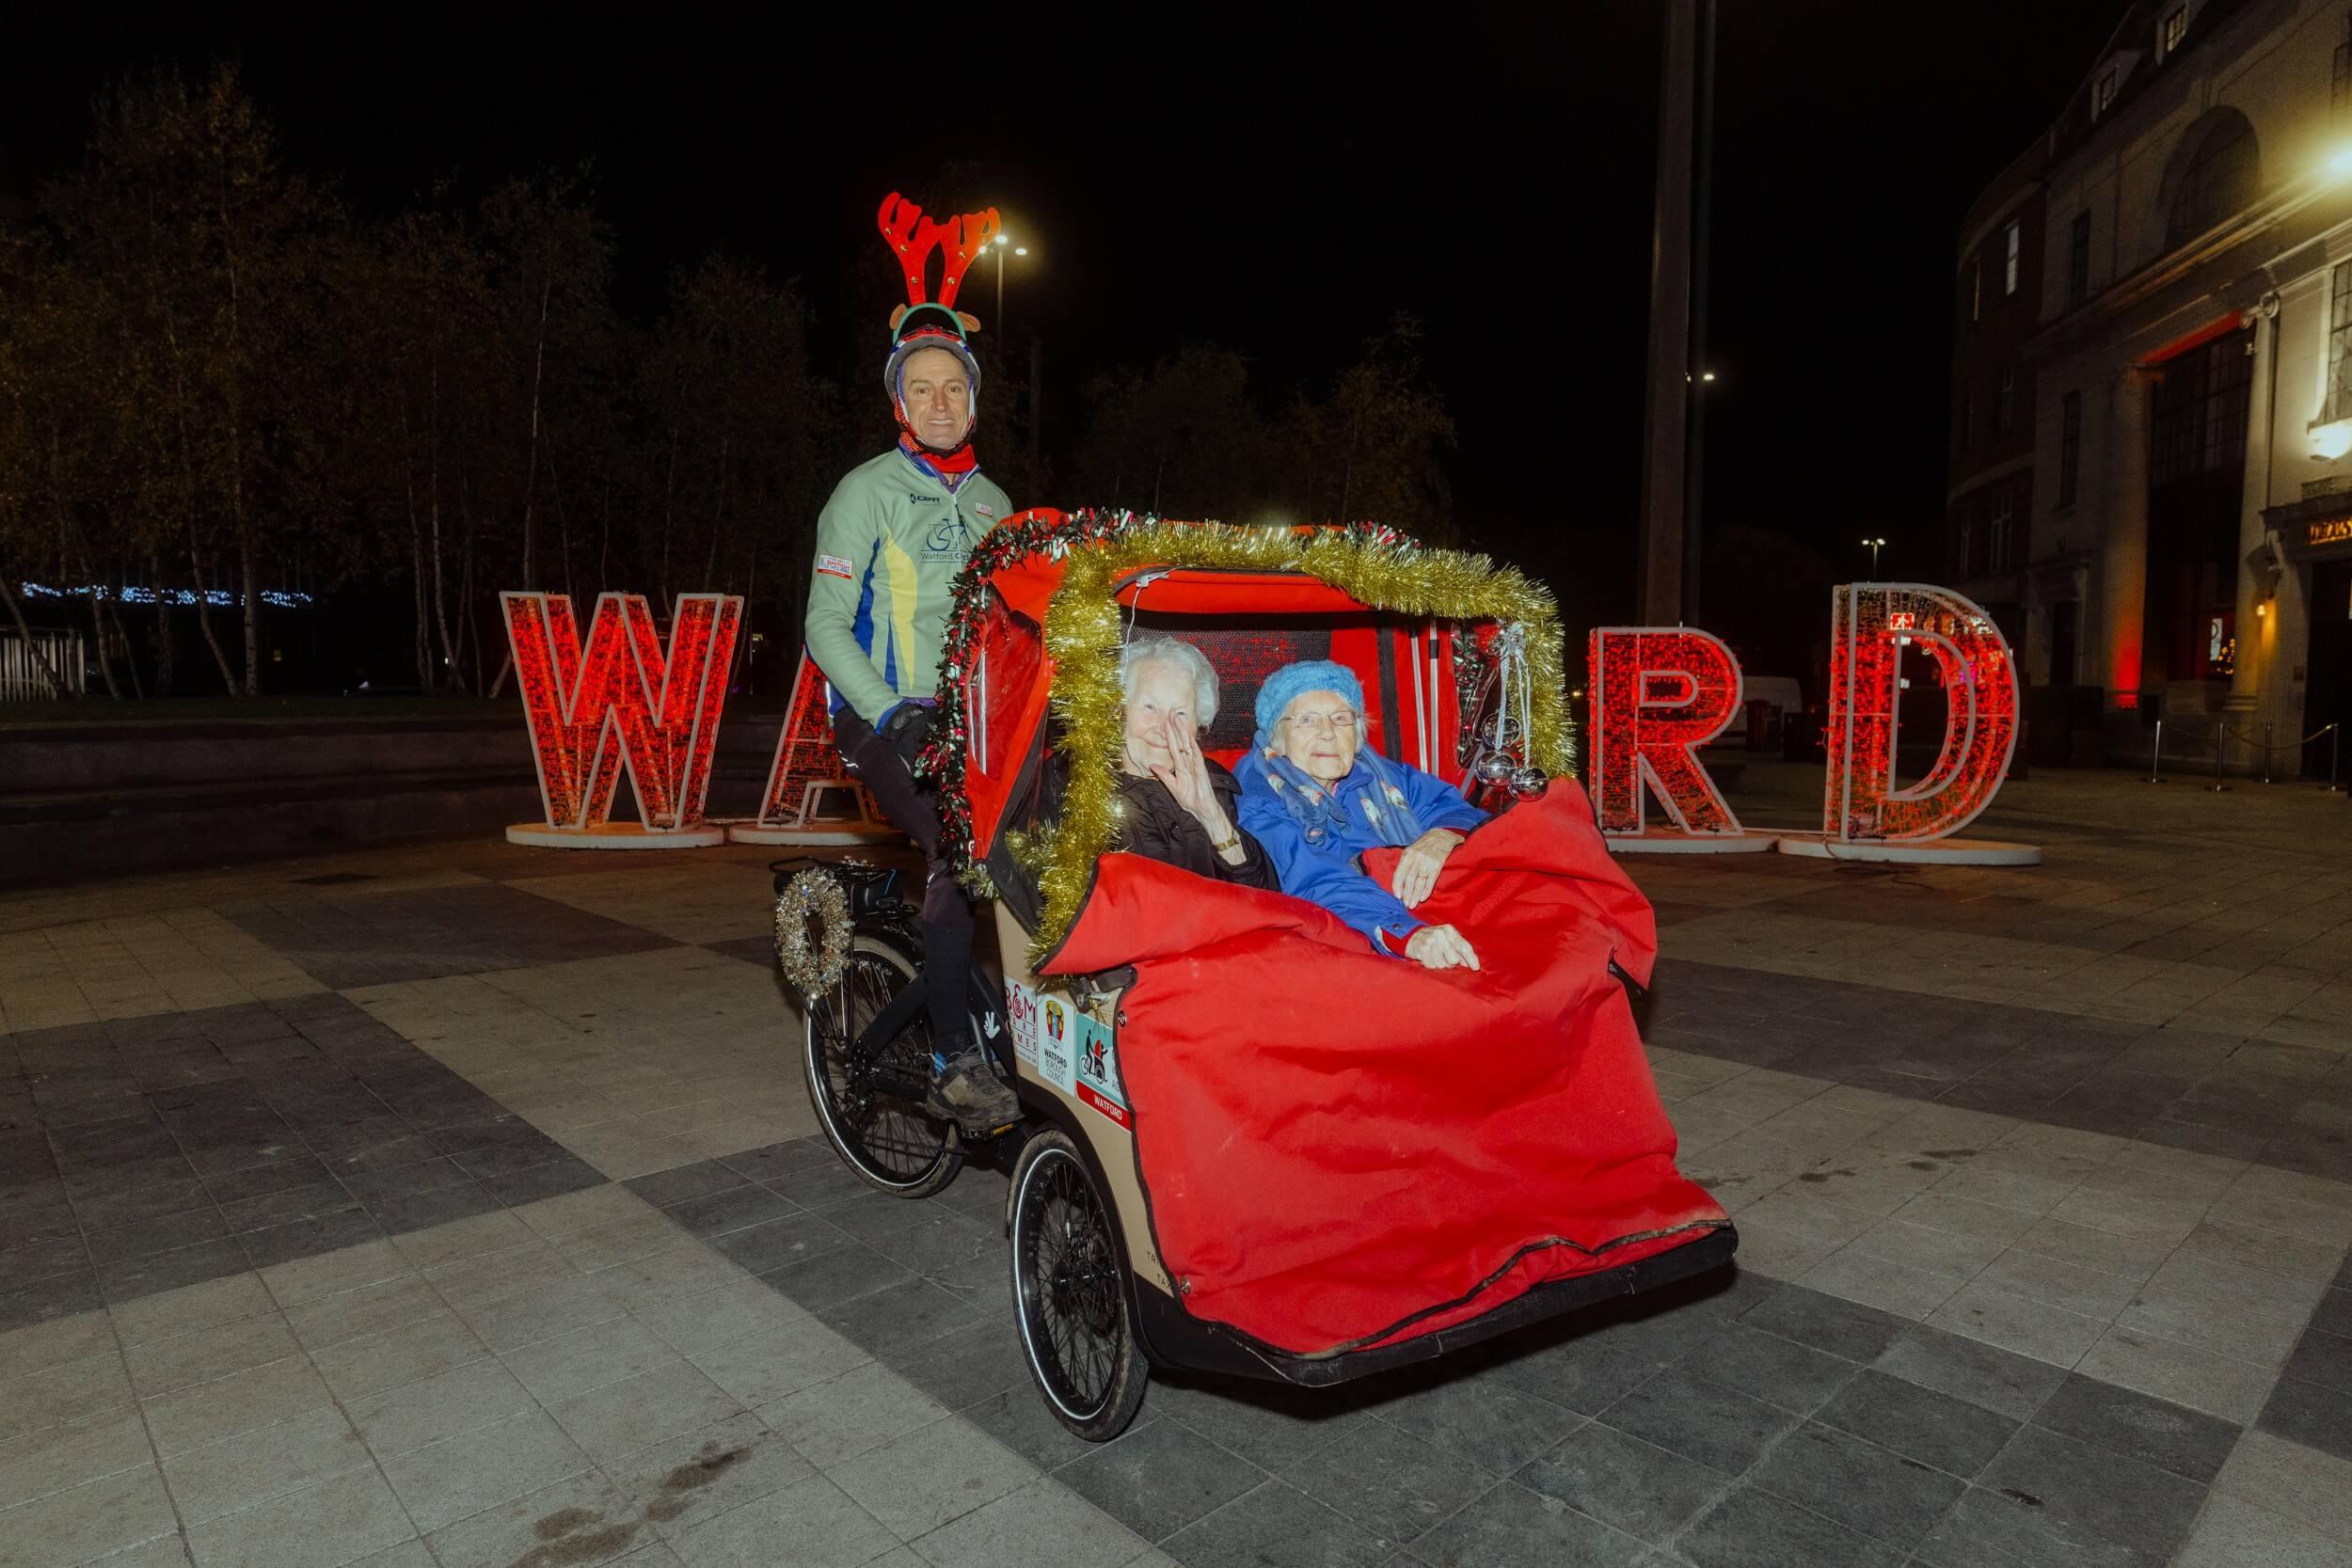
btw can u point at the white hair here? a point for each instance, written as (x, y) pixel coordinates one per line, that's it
(1175, 650)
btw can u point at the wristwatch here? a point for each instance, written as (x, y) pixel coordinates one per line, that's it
(1221, 845)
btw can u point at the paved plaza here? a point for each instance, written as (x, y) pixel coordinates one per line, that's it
(459, 1205)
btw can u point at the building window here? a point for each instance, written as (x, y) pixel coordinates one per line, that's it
(2010, 242)
(2220, 179)
(2175, 28)
(2005, 399)
(2198, 424)
(2078, 260)
(2069, 447)
(2340, 78)
(2000, 533)
(2103, 93)
(2339, 342)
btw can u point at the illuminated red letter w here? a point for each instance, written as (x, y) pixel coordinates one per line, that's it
(619, 701)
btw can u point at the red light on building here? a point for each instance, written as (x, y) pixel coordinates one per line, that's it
(618, 701)
(1979, 682)
(1656, 695)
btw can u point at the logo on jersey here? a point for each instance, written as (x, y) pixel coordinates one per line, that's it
(834, 566)
(949, 539)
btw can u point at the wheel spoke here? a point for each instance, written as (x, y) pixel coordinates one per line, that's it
(1071, 1289)
(889, 1138)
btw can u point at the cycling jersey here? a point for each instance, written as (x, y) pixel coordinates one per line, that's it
(888, 547)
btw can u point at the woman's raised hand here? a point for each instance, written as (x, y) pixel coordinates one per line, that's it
(1417, 868)
(1189, 779)
(1441, 947)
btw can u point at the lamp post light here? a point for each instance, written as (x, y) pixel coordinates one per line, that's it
(1003, 242)
(1875, 546)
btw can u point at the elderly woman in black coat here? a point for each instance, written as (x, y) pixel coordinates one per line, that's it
(1177, 805)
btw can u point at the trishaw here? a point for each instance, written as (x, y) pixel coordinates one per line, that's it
(1224, 1166)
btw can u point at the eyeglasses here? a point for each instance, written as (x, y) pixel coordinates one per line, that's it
(1342, 722)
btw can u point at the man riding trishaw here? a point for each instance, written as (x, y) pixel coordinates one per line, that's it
(1314, 1074)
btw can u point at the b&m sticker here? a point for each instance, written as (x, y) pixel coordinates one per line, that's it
(1020, 1007)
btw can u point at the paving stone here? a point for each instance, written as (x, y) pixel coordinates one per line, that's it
(2086, 1496)
(1687, 1415)
(1919, 1423)
(1998, 1379)
(1842, 1328)
(1767, 1367)
(1752, 1529)
(1161, 1477)
(1269, 1424)
(1859, 1484)
(2315, 1417)
(102, 1515)
(1480, 1418)
(918, 1483)
(651, 1408)
(1635, 1486)
(811, 1524)
(1277, 1526)
(2169, 1436)
(1585, 1374)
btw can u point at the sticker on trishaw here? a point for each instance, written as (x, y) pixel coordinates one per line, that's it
(1056, 1043)
(1021, 1007)
(1098, 1070)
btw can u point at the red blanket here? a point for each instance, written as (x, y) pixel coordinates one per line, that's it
(1341, 1149)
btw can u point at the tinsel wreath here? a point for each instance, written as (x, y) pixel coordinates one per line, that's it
(812, 968)
(1377, 566)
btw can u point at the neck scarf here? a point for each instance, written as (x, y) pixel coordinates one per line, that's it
(946, 466)
(1316, 807)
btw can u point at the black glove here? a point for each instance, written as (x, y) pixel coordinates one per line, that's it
(908, 729)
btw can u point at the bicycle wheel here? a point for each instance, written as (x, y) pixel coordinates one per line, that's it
(868, 1102)
(1070, 1291)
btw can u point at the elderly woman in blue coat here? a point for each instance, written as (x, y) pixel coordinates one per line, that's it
(1316, 799)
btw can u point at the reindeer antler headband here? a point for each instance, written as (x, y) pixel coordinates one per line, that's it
(913, 237)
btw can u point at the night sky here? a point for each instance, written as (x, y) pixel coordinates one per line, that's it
(1281, 189)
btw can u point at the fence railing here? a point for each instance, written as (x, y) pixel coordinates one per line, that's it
(2220, 733)
(21, 675)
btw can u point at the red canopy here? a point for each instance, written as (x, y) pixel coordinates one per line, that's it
(1248, 623)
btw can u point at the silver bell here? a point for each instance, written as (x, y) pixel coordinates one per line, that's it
(1494, 768)
(1528, 783)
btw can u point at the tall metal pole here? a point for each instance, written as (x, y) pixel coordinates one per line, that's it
(1036, 397)
(1000, 291)
(1667, 421)
(1702, 197)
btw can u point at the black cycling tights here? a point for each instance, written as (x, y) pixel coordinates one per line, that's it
(914, 809)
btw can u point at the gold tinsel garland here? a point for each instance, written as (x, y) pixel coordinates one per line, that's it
(1375, 568)
(815, 966)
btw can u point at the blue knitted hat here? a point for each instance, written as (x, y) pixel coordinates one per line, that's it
(1312, 674)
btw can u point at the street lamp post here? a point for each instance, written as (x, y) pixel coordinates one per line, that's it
(1875, 545)
(1002, 240)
